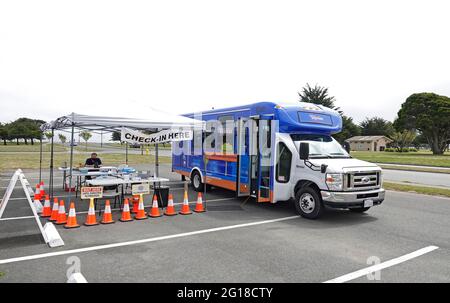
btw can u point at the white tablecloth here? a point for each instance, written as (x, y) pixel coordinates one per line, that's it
(118, 181)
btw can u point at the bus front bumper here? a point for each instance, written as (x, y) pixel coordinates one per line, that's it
(352, 199)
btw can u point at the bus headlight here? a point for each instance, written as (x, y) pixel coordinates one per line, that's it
(334, 181)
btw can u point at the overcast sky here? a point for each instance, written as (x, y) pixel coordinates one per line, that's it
(121, 58)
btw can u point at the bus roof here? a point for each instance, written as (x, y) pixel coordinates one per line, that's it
(293, 117)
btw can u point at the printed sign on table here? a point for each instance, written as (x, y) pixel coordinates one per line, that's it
(140, 189)
(92, 192)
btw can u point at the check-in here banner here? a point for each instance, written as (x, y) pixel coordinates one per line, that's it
(168, 135)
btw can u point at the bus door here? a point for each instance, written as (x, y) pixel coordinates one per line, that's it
(243, 160)
(254, 171)
(265, 138)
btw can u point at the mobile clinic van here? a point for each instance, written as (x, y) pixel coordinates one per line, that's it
(279, 152)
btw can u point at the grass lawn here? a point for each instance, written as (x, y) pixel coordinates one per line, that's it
(13, 147)
(419, 169)
(10, 161)
(90, 148)
(58, 147)
(113, 145)
(417, 189)
(412, 158)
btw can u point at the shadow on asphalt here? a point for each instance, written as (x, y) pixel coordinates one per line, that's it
(331, 218)
(21, 241)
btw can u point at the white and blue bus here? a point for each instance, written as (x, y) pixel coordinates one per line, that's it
(278, 152)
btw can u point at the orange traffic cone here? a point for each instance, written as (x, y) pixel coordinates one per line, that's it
(47, 210)
(37, 192)
(37, 204)
(72, 220)
(185, 208)
(90, 218)
(107, 215)
(42, 189)
(126, 215)
(154, 212)
(141, 211)
(199, 205)
(135, 202)
(62, 216)
(55, 209)
(170, 209)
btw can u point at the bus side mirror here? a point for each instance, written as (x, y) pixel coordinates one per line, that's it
(304, 150)
(347, 147)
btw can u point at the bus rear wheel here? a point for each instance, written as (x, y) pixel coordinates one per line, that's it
(196, 181)
(308, 203)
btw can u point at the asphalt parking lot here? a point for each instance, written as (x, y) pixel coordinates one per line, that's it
(234, 241)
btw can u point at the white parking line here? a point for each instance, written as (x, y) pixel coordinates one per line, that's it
(377, 267)
(135, 242)
(85, 212)
(77, 278)
(16, 218)
(24, 198)
(8, 179)
(20, 186)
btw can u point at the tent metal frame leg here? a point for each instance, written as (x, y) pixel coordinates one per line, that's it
(51, 164)
(40, 160)
(71, 164)
(156, 160)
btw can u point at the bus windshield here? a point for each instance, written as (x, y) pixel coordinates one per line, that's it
(320, 146)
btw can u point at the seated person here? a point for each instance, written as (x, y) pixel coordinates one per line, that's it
(93, 161)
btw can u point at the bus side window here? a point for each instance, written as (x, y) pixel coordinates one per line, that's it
(209, 136)
(284, 159)
(197, 143)
(228, 133)
(213, 141)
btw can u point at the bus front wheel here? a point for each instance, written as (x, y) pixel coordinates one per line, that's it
(308, 203)
(196, 181)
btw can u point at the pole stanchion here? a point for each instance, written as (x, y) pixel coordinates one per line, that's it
(205, 163)
(71, 162)
(51, 164)
(156, 160)
(40, 159)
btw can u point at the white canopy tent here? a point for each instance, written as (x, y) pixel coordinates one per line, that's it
(156, 120)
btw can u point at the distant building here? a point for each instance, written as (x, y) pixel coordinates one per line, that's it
(368, 143)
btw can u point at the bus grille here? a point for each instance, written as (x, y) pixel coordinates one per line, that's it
(362, 180)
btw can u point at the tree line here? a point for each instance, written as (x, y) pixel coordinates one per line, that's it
(28, 130)
(423, 119)
(24, 129)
